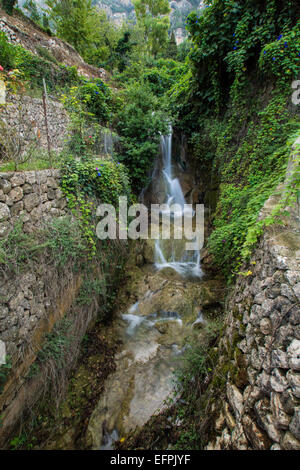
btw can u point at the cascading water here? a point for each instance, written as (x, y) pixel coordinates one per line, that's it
(153, 330)
(172, 253)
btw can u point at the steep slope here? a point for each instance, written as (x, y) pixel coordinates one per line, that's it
(20, 30)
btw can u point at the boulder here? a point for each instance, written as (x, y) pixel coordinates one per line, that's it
(4, 212)
(31, 201)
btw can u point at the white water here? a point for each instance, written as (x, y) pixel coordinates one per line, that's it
(185, 263)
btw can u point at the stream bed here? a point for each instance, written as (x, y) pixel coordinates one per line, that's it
(154, 333)
(164, 314)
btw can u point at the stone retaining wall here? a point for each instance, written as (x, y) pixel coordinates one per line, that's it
(32, 195)
(261, 348)
(33, 118)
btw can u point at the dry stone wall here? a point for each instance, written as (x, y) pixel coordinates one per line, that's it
(261, 348)
(33, 196)
(32, 113)
(33, 299)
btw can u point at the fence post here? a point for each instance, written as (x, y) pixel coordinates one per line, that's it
(46, 121)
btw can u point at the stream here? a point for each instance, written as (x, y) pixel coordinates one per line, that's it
(154, 330)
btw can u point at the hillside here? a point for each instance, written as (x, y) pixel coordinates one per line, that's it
(23, 31)
(150, 227)
(123, 10)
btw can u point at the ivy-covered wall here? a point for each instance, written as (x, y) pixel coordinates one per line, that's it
(235, 105)
(56, 280)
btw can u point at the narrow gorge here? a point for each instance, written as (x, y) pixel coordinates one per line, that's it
(178, 329)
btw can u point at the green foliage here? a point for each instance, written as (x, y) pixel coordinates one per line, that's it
(71, 20)
(139, 123)
(154, 17)
(238, 128)
(8, 5)
(56, 344)
(46, 54)
(64, 241)
(171, 48)
(60, 240)
(15, 248)
(4, 373)
(88, 104)
(7, 53)
(192, 379)
(85, 27)
(32, 9)
(105, 180)
(90, 289)
(85, 179)
(36, 68)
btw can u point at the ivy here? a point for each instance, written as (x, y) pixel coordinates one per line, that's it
(238, 126)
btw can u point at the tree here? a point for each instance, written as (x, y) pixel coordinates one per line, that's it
(103, 39)
(85, 27)
(154, 16)
(172, 49)
(8, 5)
(31, 7)
(73, 21)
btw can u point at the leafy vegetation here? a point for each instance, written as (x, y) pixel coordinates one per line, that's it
(239, 129)
(4, 373)
(8, 5)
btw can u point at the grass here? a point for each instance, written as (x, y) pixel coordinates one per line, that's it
(35, 163)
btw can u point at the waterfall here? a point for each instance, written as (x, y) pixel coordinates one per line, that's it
(172, 253)
(173, 188)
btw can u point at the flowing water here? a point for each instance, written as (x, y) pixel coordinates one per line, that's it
(172, 253)
(153, 329)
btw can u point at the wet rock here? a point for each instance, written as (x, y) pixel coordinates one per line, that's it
(225, 440)
(27, 188)
(255, 360)
(275, 447)
(296, 289)
(265, 326)
(295, 316)
(4, 229)
(5, 186)
(17, 180)
(16, 208)
(148, 252)
(30, 177)
(220, 423)
(266, 420)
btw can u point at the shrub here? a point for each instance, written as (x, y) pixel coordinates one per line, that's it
(139, 123)
(7, 53)
(8, 6)
(105, 180)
